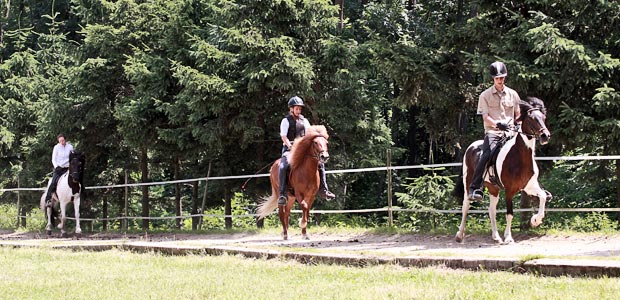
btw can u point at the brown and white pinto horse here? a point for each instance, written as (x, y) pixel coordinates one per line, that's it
(516, 167)
(303, 178)
(69, 188)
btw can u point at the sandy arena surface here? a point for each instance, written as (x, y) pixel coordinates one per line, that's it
(603, 247)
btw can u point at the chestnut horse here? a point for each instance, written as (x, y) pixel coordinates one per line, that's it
(516, 167)
(303, 178)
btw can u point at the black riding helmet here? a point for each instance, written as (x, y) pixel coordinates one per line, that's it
(498, 69)
(295, 101)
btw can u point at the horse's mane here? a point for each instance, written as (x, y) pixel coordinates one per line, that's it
(301, 145)
(531, 103)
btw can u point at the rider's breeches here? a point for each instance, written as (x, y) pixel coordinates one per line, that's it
(55, 175)
(488, 146)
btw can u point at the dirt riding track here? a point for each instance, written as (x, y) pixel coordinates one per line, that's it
(588, 255)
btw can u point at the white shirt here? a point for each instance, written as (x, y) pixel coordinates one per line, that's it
(60, 155)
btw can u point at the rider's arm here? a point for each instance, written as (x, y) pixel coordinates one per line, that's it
(517, 109)
(55, 157)
(284, 132)
(488, 120)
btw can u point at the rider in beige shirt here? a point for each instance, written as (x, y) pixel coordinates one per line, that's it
(499, 107)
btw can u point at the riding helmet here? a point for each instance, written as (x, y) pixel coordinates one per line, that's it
(498, 69)
(295, 101)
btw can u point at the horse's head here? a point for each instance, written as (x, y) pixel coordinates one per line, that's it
(319, 147)
(533, 117)
(76, 166)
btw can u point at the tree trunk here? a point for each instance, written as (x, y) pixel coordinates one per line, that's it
(177, 192)
(144, 169)
(341, 15)
(526, 202)
(195, 220)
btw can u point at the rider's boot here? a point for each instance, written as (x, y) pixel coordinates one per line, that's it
(48, 195)
(282, 183)
(48, 199)
(475, 188)
(324, 192)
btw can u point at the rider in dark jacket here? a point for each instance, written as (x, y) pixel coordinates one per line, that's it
(294, 125)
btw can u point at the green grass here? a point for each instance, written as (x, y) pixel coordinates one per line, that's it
(30, 273)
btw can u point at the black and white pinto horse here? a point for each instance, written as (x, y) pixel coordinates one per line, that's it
(515, 167)
(69, 188)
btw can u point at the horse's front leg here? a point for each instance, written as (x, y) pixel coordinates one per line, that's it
(494, 199)
(460, 235)
(509, 215)
(537, 219)
(48, 227)
(283, 212)
(63, 219)
(303, 221)
(76, 208)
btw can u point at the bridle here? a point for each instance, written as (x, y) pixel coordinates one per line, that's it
(76, 170)
(320, 152)
(527, 128)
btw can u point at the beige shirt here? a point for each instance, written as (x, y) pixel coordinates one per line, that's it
(501, 106)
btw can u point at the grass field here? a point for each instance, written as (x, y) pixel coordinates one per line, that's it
(45, 273)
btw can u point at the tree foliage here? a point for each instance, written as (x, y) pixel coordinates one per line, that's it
(163, 89)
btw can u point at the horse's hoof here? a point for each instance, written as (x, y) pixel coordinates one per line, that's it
(49, 232)
(509, 241)
(63, 235)
(534, 221)
(458, 238)
(305, 237)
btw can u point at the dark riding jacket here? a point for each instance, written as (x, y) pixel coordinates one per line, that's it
(293, 128)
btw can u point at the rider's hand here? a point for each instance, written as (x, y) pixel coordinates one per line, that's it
(502, 126)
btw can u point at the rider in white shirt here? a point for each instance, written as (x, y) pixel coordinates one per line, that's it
(60, 160)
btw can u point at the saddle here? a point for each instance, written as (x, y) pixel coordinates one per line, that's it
(491, 168)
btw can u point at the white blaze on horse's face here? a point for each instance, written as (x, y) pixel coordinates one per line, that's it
(534, 124)
(320, 146)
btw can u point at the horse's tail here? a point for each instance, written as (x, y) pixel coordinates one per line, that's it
(270, 203)
(267, 206)
(54, 214)
(459, 188)
(43, 203)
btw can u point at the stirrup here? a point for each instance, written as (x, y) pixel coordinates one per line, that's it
(476, 195)
(327, 195)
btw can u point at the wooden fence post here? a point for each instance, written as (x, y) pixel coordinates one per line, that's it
(18, 204)
(204, 197)
(126, 209)
(389, 190)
